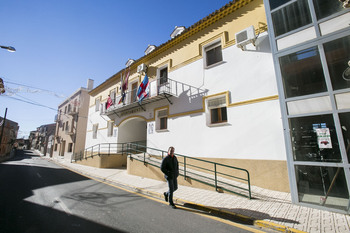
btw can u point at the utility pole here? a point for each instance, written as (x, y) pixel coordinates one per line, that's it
(2, 127)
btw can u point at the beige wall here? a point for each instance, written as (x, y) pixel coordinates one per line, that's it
(267, 174)
(111, 161)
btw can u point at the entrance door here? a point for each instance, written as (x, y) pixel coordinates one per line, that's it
(63, 146)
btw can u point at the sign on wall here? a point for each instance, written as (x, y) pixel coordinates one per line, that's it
(324, 138)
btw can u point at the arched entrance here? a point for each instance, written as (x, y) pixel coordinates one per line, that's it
(133, 130)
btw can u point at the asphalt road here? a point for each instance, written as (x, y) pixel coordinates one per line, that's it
(36, 195)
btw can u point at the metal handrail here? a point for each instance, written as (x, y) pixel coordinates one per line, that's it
(133, 148)
(187, 173)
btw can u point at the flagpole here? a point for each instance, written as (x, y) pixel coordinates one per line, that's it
(2, 127)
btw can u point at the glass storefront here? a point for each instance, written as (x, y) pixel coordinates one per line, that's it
(324, 186)
(316, 98)
(338, 55)
(314, 139)
(302, 73)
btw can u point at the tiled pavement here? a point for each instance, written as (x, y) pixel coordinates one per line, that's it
(271, 210)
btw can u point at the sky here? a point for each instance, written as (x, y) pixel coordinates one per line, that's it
(60, 44)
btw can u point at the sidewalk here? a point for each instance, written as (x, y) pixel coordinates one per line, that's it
(272, 210)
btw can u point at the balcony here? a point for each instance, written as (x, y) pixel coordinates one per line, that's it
(158, 90)
(72, 112)
(69, 132)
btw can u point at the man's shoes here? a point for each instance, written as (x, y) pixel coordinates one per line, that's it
(172, 206)
(165, 196)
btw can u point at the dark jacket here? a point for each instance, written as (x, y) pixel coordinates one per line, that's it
(170, 167)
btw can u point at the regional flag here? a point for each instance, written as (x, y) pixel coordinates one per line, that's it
(143, 90)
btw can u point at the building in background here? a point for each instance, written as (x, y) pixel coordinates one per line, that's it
(8, 132)
(41, 141)
(71, 122)
(310, 41)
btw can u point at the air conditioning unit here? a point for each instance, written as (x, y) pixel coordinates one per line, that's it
(245, 37)
(142, 68)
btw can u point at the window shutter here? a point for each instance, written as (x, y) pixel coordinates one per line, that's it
(163, 113)
(217, 102)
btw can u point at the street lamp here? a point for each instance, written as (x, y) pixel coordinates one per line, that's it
(8, 48)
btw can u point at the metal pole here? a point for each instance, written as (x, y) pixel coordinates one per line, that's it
(216, 182)
(3, 126)
(185, 168)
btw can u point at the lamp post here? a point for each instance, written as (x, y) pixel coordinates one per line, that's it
(8, 48)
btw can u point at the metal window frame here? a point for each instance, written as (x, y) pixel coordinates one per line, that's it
(276, 54)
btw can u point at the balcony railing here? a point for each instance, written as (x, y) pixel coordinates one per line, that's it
(158, 90)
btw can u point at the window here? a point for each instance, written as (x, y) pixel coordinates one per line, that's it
(94, 131)
(67, 126)
(218, 115)
(65, 110)
(133, 92)
(302, 73)
(162, 119)
(314, 138)
(64, 123)
(217, 110)
(112, 94)
(326, 8)
(324, 186)
(55, 146)
(338, 55)
(163, 76)
(291, 17)
(70, 147)
(110, 128)
(276, 3)
(345, 127)
(97, 104)
(213, 54)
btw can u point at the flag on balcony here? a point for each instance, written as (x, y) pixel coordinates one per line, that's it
(143, 90)
(124, 87)
(109, 102)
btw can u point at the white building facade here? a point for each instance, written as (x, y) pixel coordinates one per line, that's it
(210, 97)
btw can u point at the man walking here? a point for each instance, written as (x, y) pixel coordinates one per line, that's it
(170, 168)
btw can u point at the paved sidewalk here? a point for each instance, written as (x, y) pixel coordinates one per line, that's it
(272, 209)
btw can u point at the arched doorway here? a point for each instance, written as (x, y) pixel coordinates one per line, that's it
(133, 130)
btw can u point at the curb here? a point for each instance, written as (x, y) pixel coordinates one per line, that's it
(223, 213)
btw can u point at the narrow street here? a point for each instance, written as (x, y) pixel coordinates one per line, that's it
(39, 196)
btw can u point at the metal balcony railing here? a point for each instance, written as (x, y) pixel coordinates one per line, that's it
(158, 90)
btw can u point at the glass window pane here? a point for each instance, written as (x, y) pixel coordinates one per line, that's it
(345, 126)
(276, 3)
(214, 55)
(338, 56)
(291, 17)
(314, 138)
(324, 186)
(214, 115)
(326, 8)
(224, 114)
(302, 73)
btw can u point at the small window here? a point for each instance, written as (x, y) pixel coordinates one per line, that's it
(218, 115)
(94, 131)
(213, 54)
(113, 95)
(70, 147)
(163, 76)
(64, 123)
(67, 126)
(110, 129)
(162, 119)
(97, 104)
(55, 146)
(217, 110)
